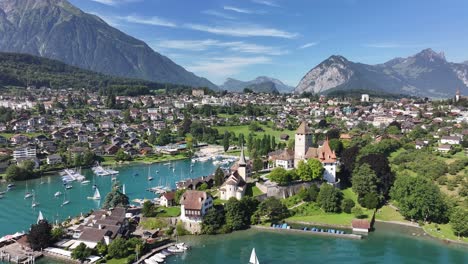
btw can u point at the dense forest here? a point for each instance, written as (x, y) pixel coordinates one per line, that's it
(22, 70)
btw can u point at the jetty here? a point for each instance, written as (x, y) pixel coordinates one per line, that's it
(309, 232)
(16, 250)
(153, 252)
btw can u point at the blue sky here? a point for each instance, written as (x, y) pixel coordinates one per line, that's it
(284, 39)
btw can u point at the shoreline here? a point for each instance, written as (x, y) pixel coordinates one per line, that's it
(445, 240)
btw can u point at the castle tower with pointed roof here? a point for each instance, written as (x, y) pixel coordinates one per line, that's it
(302, 142)
(242, 170)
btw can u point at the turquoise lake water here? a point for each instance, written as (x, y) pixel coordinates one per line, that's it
(388, 244)
(16, 213)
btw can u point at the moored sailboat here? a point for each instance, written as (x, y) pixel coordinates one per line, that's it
(96, 196)
(253, 258)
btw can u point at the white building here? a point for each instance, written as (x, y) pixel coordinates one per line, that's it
(194, 205)
(24, 153)
(235, 185)
(451, 140)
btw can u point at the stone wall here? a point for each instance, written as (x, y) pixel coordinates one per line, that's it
(281, 192)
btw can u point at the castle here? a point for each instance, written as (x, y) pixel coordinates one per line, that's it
(234, 185)
(304, 151)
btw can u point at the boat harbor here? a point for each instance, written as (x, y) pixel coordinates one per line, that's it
(14, 249)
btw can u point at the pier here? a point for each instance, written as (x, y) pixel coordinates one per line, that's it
(154, 251)
(299, 231)
(15, 252)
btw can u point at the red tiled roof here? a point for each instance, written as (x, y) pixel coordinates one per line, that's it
(193, 199)
(361, 223)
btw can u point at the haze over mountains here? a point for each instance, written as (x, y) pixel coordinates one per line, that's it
(261, 84)
(58, 30)
(426, 74)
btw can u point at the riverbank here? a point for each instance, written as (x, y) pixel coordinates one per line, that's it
(298, 231)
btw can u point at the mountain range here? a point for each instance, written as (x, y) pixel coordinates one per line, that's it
(261, 84)
(426, 74)
(58, 30)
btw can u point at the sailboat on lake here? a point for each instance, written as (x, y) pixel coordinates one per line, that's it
(96, 196)
(65, 201)
(27, 194)
(253, 258)
(149, 177)
(34, 203)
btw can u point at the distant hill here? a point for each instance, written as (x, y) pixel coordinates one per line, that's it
(58, 30)
(23, 70)
(263, 87)
(426, 74)
(259, 84)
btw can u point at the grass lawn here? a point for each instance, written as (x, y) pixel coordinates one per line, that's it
(30, 135)
(169, 211)
(245, 130)
(445, 232)
(252, 190)
(148, 159)
(117, 261)
(153, 223)
(387, 213)
(218, 201)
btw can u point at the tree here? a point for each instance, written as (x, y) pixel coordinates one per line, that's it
(203, 187)
(347, 205)
(257, 165)
(235, 214)
(364, 180)
(122, 156)
(101, 248)
(40, 235)
(329, 198)
(459, 221)
(148, 209)
(348, 161)
(219, 177)
(379, 164)
(336, 145)
(419, 199)
(178, 195)
(115, 198)
(272, 210)
(118, 248)
(212, 222)
(280, 176)
(81, 252)
(310, 170)
(57, 233)
(226, 141)
(312, 193)
(370, 200)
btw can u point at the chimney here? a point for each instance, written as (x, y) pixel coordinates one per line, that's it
(100, 227)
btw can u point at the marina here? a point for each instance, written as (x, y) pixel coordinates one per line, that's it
(59, 202)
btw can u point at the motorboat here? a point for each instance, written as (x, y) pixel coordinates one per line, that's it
(174, 249)
(57, 194)
(157, 259)
(28, 195)
(85, 182)
(68, 186)
(11, 185)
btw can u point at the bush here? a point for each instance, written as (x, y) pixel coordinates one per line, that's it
(131, 259)
(347, 205)
(442, 180)
(358, 212)
(329, 198)
(181, 231)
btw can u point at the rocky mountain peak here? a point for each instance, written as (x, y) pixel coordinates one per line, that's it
(431, 55)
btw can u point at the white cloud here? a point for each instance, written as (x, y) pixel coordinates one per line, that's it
(220, 68)
(154, 21)
(217, 14)
(243, 31)
(308, 45)
(115, 2)
(238, 10)
(207, 44)
(266, 2)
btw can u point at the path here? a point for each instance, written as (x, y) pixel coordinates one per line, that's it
(297, 205)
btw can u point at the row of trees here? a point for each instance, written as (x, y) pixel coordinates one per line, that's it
(306, 171)
(238, 215)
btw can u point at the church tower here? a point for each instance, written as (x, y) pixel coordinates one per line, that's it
(302, 142)
(242, 170)
(457, 95)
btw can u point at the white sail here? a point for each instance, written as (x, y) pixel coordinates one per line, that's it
(40, 217)
(97, 195)
(253, 258)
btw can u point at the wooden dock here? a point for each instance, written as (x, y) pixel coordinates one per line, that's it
(299, 231)
(154, 251)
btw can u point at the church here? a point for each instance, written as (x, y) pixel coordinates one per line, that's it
(235, 184)
(304, 151)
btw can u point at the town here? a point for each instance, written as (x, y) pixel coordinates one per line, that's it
(287, 163)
